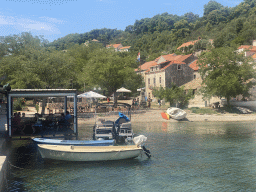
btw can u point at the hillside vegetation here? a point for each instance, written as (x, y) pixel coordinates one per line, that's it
(165, 32)
(32, 62)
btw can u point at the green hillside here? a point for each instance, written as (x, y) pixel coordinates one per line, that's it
(29, 61)
(164, 33)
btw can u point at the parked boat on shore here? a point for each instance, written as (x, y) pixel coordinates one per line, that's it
(165, 115)
(176, 113)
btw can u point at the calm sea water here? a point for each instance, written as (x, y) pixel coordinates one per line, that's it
(186, 156)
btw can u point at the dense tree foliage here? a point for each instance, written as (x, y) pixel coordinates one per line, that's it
(77, 61)
(111, 71)
(27, 63)
(225, 73)
(163, 33)
(175, 95)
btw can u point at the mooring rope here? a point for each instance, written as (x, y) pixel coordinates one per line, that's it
(14, 165)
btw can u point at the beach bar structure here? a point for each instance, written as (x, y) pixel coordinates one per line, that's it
(40, 93)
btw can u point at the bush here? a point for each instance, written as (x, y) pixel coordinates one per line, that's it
(18, 104)
(198, 110)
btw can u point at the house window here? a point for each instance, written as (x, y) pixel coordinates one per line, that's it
(179, 67)
(154, 80)
(160, 80)
(194, 76)
(148, 81)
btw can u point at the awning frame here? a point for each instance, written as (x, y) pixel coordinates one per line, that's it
(41, 93)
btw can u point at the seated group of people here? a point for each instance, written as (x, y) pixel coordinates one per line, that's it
(28, 127)
(64, 121)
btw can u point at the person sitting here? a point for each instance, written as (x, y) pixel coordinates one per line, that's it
(17, 126)
(66, 122)
(62, 119)
(68, 116)
(63, 123)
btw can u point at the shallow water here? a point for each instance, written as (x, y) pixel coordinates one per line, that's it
(186, 156)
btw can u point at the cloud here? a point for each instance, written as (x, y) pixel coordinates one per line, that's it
(44, 2)
(52, 20)
(39, 26)
(106, 1)
(5, 20)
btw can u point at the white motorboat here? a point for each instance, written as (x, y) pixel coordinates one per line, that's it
(103, 130)
(74, 142)
(89, 153)
(176, 113)
(119, 129)
(94, 153)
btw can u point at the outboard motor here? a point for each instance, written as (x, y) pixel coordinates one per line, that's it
(139, 140)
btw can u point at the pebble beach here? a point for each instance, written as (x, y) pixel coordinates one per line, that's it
(154, 115)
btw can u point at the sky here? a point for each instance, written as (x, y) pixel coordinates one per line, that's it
(57, 18)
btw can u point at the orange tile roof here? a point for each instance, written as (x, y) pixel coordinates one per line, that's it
(113, 45)
(244, 47)
(248, 47)
(168, 57)
(146, 66)
(173, 57)
(194, 65)
(127, 47)
(187, 44)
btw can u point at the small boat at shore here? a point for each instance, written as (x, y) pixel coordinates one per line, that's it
(176, 113)
(74, 142)
(165, 116)
(94, 153)
(89, 153)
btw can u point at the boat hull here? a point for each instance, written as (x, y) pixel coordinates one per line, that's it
(176, 113)
(89, 153)
(165, 116)
(74, 142)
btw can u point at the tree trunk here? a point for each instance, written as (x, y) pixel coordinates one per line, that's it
(228, 101)
(115, 99)
(43, 105)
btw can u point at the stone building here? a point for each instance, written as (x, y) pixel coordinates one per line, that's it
(167, 70)
(119, 47)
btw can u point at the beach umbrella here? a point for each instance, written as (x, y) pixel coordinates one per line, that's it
(91, 94)
(123, 90)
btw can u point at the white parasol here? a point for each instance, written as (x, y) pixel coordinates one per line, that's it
(91, 94)
(123, 90)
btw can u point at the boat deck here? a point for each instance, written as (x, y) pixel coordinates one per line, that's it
(90, 148)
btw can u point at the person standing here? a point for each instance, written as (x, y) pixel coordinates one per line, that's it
(149, 102)
(159, 102)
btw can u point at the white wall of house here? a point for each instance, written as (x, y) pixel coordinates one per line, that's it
(196, 75)
(254, 43)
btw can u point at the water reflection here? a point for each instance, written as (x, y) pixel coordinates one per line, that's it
(186, 156)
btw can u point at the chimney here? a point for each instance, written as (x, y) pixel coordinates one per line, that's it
(254, 43)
